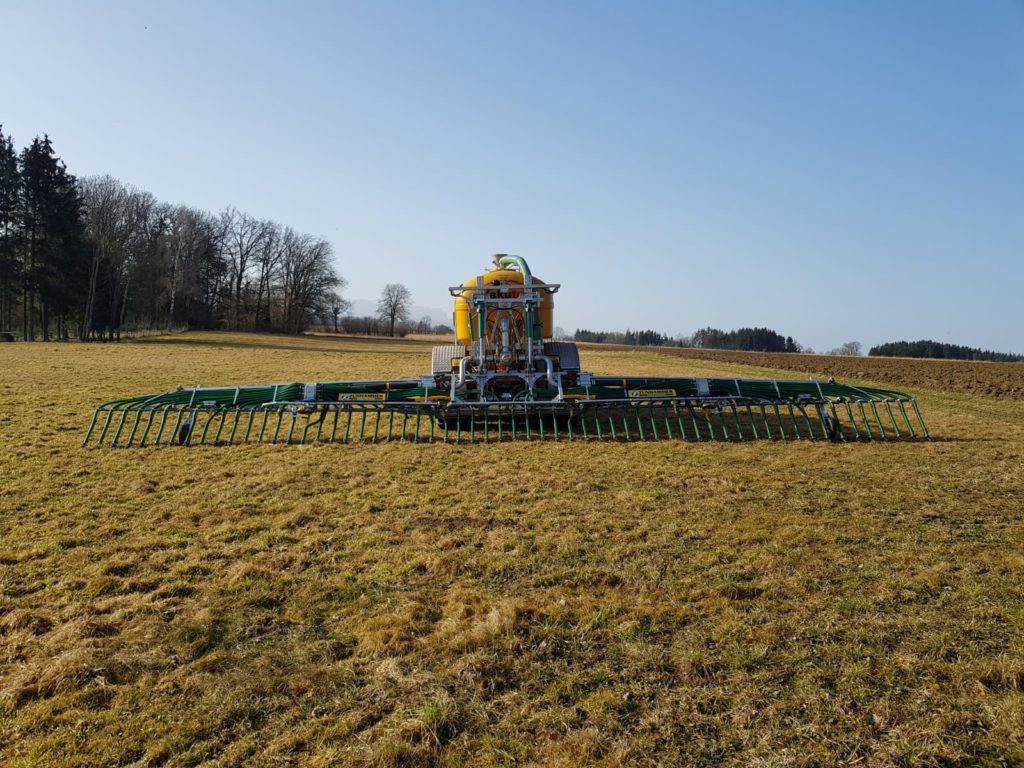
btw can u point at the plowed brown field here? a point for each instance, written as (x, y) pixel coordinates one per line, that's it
(968, 377)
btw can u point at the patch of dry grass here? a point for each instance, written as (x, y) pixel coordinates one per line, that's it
(515, 604)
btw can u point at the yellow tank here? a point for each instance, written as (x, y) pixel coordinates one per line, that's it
(465, 315)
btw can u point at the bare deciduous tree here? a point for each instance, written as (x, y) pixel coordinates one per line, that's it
(308, 281)
(104, 198)
(243, 237)
(339, 306)
(849, 349)
(394, 304)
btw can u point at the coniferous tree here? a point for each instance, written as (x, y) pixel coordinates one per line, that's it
(53, 253)
(10, 188)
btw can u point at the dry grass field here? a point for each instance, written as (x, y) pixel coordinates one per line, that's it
(647, 604)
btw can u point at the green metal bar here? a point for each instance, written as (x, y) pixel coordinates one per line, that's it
(234, 427)
(764, 418)
(206, 426)
(878, 419)
(149, 424)
(472, 426)
(251, 413)
(888, 408)
(779, 421)
(722, 423)
(910, 426)
(92, 425)
(334, 425)
(191, 416)
(120, 426)
(362, 425)
(405, 422)
(753, 424)
(391, 424)
(177, 424)
(348, 422)
(867, 422)
(839, 424)
(853, 421)
(163, 420)
(821, 417)
(924, 429)
(135, 427)
(319, 422)
(794, 422)
(220, 427)
(807, 420)
(277, 427)
(376, 426)
(693, 418)
(736, 419)
(305, 430)
(263, 425)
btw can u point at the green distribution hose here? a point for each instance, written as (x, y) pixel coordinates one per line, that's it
(605, 408)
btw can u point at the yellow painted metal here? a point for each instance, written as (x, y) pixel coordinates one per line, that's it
(465, 314)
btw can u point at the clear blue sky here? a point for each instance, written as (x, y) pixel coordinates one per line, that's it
(834, 170)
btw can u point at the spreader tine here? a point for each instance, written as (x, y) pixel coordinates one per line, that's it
(215, 415)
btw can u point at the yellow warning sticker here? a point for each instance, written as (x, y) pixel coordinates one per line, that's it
(639, 394)
(362, 396)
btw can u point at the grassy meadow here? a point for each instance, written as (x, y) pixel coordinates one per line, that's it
(570, 604)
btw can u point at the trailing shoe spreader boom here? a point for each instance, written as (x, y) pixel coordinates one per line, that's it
(507, 379)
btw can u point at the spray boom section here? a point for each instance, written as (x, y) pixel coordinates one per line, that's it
(507, 378)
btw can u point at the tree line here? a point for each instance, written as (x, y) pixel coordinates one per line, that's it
(635, 338)
(941, 351)
(94, 257)
(750, 339)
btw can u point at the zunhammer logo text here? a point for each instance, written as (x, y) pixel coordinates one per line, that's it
(636, 394)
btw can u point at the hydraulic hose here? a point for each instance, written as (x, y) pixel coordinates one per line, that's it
(507, 260)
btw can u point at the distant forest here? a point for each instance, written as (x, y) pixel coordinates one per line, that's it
(90, 258)
(749, 339)
(940, 351)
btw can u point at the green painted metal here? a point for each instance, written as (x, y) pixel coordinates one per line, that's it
(404, 410)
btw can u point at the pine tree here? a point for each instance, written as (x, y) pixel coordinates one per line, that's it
(53, 252)
(10, 185)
